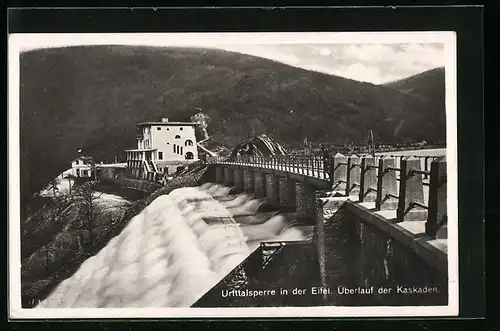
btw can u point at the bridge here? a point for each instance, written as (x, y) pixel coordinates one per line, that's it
(400, 203)
(412, 187)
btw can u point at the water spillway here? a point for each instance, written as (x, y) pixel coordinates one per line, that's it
(175, 250)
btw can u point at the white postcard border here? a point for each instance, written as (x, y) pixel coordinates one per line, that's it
(18, 43)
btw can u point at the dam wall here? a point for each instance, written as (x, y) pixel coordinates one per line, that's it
(374, 230)
(357, 250)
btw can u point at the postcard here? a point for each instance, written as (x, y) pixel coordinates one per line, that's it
(168, 175)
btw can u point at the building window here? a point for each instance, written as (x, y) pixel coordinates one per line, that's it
(189, 156)
(189, 142)
(181, 150)
(181, 128)
(160, 155)
(175, 149)
(177, 137)
(158, 128)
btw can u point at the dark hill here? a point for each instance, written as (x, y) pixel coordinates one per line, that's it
(429, 85)
(92, 97)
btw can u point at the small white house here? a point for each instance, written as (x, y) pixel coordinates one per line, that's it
(82, 167)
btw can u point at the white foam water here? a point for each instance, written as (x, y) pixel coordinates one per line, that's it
(175, 250)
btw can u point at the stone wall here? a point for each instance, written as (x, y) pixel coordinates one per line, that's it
(305, 199)
(354, 254)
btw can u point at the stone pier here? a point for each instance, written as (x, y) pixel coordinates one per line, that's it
(238, 181)
(286, 193)
(259, 184)
(411, 191)
(248, 181)
(272, 190)
(219, 175)
(305, 199)
(228, 176)
(353, 176)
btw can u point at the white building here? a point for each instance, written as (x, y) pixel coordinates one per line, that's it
(162, 147)
(82, 167)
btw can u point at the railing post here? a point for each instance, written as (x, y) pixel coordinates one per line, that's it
(353, 175)
(314, 166)
(387, 185)
(437, 197)
(368, 184)
(338, 172)
(411, 189)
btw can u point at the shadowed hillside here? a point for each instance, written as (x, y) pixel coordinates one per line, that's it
(92, 97)
(429, 85)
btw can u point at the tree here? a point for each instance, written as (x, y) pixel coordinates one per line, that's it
(85, 197)
(203, 120)
(70, 177)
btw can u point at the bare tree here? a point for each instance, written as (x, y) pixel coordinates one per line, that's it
(86, 196)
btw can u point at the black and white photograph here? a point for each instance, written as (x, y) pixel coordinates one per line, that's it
(230, 174)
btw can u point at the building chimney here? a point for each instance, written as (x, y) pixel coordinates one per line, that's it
(164, 120)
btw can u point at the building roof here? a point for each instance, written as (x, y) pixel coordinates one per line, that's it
(84, 158)
(168, 123)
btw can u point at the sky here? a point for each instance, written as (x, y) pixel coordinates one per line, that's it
(361, 59)
(373, 63)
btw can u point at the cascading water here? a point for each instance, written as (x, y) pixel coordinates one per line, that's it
(175, 250)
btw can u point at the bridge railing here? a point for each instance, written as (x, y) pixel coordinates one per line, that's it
(309, 165)
(395, 183)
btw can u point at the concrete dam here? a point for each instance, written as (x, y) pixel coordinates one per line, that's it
(278, 226)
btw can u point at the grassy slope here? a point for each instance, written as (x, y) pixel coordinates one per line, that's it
(92, 97)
